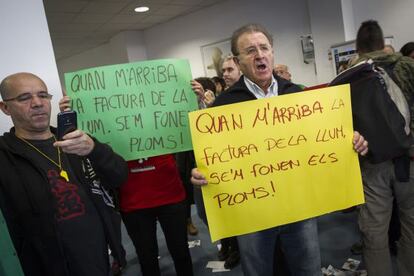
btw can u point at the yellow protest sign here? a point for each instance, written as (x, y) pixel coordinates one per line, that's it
(274, 161)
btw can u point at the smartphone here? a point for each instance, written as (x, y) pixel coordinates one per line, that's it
(66, 122)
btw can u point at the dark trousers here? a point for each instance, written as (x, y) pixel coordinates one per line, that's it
(230, 244)
(142, 229)
(394, 232)
(186, 162)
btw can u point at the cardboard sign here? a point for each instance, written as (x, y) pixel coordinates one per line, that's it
(140, 109)
(275, 161)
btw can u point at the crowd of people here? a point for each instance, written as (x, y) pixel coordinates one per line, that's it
(62, 200)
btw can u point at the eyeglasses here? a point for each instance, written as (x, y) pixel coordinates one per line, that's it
(27, 97)
(253, 51)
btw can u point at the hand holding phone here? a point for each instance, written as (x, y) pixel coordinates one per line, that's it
(66, 122)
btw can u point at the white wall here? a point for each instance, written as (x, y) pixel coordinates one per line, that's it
(124, 47)
(26, 46)
(327, 29)
(348, 20)
(395, 17)
(329, 21)
(183, 37)
(136, 48)
(334, 21)
(286, 20)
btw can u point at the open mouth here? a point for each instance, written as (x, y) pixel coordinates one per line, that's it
(261, 67)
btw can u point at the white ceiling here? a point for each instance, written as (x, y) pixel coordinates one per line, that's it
(79, 25)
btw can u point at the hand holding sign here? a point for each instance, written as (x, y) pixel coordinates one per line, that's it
(360, 144)
(198, 178)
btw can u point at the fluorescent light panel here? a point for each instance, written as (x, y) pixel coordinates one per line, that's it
(141, 9)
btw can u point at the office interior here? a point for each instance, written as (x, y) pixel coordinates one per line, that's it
(27, 45)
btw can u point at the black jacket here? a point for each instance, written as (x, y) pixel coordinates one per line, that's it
(239, 92)
(26, 202)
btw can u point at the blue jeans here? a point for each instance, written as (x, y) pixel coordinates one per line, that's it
(299, 243)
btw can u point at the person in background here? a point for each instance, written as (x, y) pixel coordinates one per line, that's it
(408, 50)
(184, 160)
(342, 66)
(52, 192)
(282, 71)
(231, 71)
(205, 96)
(208, 90)
(252, 47)
(154, 192)
(220, 84)
(388, 49)
(391, 179)
(231, 74)
(394, 229)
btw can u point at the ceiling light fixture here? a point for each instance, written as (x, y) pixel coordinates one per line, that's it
(141, 9)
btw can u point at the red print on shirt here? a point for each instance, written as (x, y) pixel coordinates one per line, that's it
(69, 203)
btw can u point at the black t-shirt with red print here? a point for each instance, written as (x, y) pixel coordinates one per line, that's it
(77, 220)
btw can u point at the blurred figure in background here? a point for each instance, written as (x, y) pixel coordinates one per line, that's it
(220, 84)
(408, 50)
(231, 71)
(392, 179)
(154, 193)
(205, 90)
(389, 49)
(282, 71)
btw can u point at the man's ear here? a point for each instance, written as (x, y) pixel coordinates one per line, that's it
(4, 107)
(236, 60)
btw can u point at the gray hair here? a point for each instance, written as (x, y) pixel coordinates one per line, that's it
(249, 28)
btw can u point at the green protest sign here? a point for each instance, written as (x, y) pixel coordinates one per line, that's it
(9, 261)
(140, 108)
